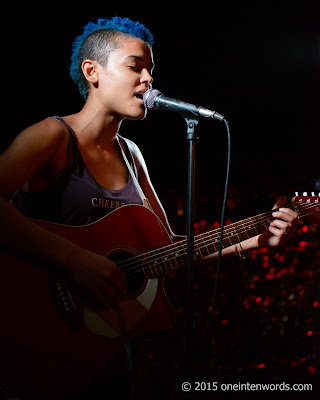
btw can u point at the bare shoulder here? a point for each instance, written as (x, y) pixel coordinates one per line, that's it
(30, 151)
(47, 131)
(43, 137)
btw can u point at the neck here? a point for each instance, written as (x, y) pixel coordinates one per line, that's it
(93, 125)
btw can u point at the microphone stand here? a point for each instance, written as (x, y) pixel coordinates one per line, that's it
(192, 135)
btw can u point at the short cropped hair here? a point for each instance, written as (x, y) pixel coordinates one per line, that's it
(98, 40)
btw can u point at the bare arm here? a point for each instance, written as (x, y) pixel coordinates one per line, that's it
(34, 150)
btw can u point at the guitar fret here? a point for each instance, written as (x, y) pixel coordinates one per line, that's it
(159, 269)
(166, 261)
(170, 262)
(226, 237)
(197, 251)
(150, 272)
(246, 234)
(230, 235)
(165, 265)
(253, 229)
(153, 265)
(172, 267)
(266, 226)
(173, 261)
(181, 258)
(160, 265)
(207, 248)
(214, 242)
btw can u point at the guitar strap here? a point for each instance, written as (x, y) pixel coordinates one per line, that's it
(135, 180)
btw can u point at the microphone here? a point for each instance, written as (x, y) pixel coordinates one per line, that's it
(153, 99)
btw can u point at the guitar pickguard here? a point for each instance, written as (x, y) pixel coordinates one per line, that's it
(112, 323)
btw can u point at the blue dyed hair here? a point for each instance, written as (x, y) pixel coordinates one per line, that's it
(98, 40)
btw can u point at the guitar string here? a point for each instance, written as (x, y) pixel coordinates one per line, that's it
(205, 239)
(144, 257)
(181, 245)
(161, 267)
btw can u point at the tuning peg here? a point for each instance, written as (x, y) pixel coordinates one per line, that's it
(305, 193)
(297, 193)
(312, 194)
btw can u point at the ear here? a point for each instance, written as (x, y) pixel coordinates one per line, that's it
(90, 71)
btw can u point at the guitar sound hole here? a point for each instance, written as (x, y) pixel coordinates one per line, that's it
(135, 279)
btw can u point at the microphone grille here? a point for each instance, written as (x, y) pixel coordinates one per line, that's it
(149, 97)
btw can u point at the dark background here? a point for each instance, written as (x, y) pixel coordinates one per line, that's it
(257, 64)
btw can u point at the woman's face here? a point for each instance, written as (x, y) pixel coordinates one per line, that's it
(127, 75)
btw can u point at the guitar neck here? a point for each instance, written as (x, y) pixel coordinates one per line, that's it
(166, 259)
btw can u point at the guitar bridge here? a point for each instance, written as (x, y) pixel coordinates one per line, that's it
(65, 303)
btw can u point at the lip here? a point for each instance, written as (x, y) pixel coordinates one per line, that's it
(139, 96)
(141, 92)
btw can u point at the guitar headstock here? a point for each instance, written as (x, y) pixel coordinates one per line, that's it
(307, 207)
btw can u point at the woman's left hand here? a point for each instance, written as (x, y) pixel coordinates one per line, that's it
(282, 228)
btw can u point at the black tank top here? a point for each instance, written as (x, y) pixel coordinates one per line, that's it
(77, 198)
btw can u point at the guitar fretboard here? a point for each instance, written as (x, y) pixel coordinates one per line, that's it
(166, 259)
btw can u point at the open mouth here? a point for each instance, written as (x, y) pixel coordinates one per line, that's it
(139, 96)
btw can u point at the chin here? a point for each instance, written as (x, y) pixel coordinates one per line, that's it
(138, 116)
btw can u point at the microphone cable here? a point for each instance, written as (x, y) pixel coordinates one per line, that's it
(214, 293)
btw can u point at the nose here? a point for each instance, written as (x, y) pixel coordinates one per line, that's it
(146, 77)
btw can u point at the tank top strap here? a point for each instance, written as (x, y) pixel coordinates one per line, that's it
(126, 153)
(74, 149)
(134, 176)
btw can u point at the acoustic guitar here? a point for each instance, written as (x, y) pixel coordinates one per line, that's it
(52, 343)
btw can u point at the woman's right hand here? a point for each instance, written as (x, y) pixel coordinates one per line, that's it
(99, 279)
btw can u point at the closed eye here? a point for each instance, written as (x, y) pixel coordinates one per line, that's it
(137, 64)
(135, 67)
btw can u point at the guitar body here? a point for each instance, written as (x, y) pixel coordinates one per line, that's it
(51, 342)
